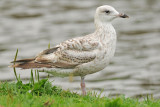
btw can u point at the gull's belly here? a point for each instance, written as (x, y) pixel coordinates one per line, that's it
(101, 61)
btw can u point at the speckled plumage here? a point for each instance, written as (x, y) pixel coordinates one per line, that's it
(87, 54)
(82, 55)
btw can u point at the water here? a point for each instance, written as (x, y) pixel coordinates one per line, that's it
(134, 71)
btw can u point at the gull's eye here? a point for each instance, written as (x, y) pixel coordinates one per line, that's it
(107, 11)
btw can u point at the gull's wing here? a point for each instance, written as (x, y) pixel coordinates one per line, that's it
(70, 53)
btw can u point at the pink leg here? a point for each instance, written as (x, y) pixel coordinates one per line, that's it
(83, 88)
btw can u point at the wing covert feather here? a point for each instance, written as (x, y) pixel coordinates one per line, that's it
(70, 53)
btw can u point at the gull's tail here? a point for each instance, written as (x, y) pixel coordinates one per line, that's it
(29, 64)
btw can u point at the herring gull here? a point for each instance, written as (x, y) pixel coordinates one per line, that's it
(82, 55)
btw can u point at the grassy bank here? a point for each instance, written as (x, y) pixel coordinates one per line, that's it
(42, 93)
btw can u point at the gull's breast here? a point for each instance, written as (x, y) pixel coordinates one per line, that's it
(104, 56)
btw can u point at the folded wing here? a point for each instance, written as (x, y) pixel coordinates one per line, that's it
(68, 54)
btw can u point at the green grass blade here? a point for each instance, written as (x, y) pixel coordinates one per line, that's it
(48, 76)
(14, 69)
(15, 56)
(49, 46)
(35, 75)
(38, 75)
(32, 78)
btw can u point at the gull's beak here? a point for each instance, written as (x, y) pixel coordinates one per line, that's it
(123, 15)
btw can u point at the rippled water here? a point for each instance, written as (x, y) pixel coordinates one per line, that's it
(135, 69)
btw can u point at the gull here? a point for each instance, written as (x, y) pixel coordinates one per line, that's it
(81, 55)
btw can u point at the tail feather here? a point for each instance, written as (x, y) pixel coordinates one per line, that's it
(23, 60)
(29, 64)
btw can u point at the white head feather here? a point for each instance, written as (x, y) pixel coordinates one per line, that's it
(106, 13)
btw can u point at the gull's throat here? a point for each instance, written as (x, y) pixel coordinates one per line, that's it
(105, 30)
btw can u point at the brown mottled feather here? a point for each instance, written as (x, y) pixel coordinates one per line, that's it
(64, 65)
(30, 65)
(48, 51)
(23, 60)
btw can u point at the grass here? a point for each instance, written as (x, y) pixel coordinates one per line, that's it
(41, 93)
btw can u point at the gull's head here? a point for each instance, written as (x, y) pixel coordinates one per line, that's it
(107, 13)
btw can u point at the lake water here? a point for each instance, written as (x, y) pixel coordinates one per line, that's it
(135, 69)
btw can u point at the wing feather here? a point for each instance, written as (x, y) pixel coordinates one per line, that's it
(70, 53)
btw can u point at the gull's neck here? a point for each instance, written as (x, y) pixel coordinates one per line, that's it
(104, 30)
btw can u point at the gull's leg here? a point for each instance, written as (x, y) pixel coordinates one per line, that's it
(83, 88)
